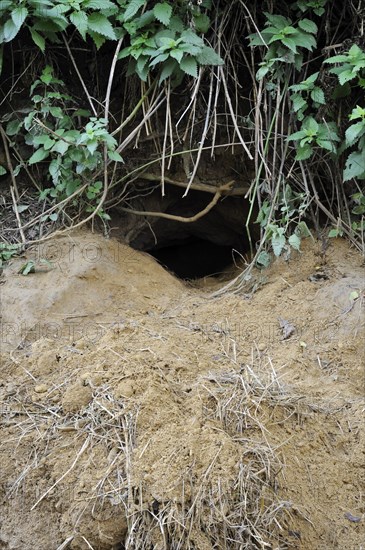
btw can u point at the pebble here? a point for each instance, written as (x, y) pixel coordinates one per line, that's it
(41, 388)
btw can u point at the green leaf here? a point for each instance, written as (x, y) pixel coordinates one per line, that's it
(208, 56)
(10, 30)
(38, 156)
(163, 12)
(2, 170)
(38, 40)
(294, 241)
(177, 54)
(18, 16)
(355, 166)
(168, 69)
(305, 40)
(289, 43)
(308, 26)
(202, 22)
(354, 132)
(189, 37)
(345, 76)
(304, 152)
(101, 25)
(13, 127)
(278, 242)
(80, 20)
(298, 102)
(317, 95)
(98, 39)
(113, 155)
(264, 259)
(189, 66)
(132, 9)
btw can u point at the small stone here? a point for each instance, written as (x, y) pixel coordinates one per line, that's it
(41, 388)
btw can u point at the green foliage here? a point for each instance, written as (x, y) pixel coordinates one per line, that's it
(317, 6)
(314, 134)
(305, 92)
(7, 251)
(351, 66)
(285, 43)
(73, 153)
(291, 207)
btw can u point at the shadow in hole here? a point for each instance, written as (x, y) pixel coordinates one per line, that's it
(194, 259)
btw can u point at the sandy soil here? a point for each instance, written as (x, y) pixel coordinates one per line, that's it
(140, 413)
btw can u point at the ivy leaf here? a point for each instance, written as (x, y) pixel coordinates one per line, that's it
(18, 16)
(38, 39)
(355, 166)
(132, 9)
(308, 26)
(101, 24)
(163, 12)
(189, 66)
(80, 20)
(317, 95)
(38, 156)
(208, 56)
(201, 22)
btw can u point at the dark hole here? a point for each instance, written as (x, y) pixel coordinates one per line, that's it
(194, 259)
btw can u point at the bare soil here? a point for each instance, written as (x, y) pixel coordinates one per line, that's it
(139, 412)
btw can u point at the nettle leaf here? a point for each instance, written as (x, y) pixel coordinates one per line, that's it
(80, 20)
(294, 241)
(169, 68)
(18, 16)
(289, 43)
(10, 30)
(98, 39)
(38, 156)
(132, 9)
(354, 132)
(98, 4)
(298, 102)
(308, 26)
(38, 40)
(101, 25)
(355, 166)
(345, 76)
(305, 40)
(189, 37)
(177, 54)
(163, 12)
(201, 22)
(13, 127)
(208, 56)
(304, 152)
(278, 243)
(113, 155)
(60, 147)
(317, 95)
(189, 66)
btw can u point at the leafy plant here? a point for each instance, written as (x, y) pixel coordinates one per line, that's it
(305, 91)
(7, 251)
(74, 153)
(314, 134)
(355, 135)
(291, 207)
(317, 6)
(285, 43)
(351, 66)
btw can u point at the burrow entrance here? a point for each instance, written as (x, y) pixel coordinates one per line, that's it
(195, 258)
(204, 247)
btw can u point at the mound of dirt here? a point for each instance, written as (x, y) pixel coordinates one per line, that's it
(138, 412)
